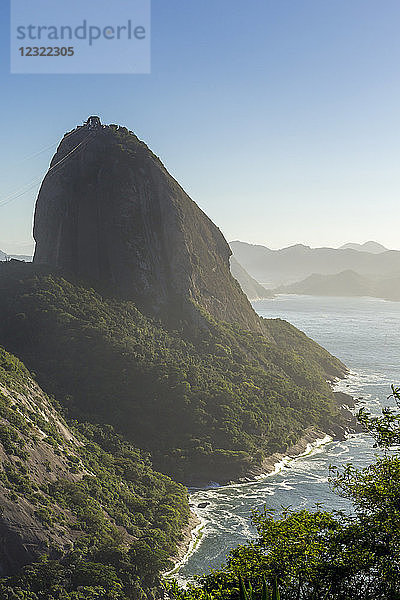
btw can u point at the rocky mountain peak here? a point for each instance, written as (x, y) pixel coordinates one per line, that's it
(108, 212)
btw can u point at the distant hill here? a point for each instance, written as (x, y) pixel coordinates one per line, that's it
(274, 268)
(346, 283)
(251, 287)
(371, 247)
(24, 257)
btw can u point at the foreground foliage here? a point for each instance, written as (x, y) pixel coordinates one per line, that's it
(322, 554)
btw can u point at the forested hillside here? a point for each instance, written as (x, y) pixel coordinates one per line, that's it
(80, 496)
(208, 403)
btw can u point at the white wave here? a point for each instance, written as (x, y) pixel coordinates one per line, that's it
(196, 535)
(358, 380)
(207, 514)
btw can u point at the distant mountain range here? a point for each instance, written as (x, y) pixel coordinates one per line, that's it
(371, 247)
(346, 283)
(275, 268)
(367, 269)
(24, 257)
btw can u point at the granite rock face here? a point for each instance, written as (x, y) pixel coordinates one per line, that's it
(109, 213)
(26, 459)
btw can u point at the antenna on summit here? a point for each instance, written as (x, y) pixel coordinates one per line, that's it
(93, 122)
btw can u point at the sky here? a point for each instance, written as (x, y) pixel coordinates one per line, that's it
(279, 118)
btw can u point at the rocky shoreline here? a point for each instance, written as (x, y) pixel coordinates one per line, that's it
(312, 439)
(190, 538)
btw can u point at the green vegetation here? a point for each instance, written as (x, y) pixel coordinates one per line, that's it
(123, 520)
(208, 404)
(245, 592)
(326, 555)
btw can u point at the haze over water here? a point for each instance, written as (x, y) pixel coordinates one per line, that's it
(364, 333)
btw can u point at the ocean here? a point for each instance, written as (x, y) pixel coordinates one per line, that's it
(365, 334)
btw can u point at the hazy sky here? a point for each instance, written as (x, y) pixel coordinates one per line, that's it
(280, 118)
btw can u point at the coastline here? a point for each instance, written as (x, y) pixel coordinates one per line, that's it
(191, 537)
(310, 441)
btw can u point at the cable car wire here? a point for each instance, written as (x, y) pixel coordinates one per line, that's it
(22, 191)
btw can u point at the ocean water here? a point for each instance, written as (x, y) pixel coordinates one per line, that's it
(365, 334)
